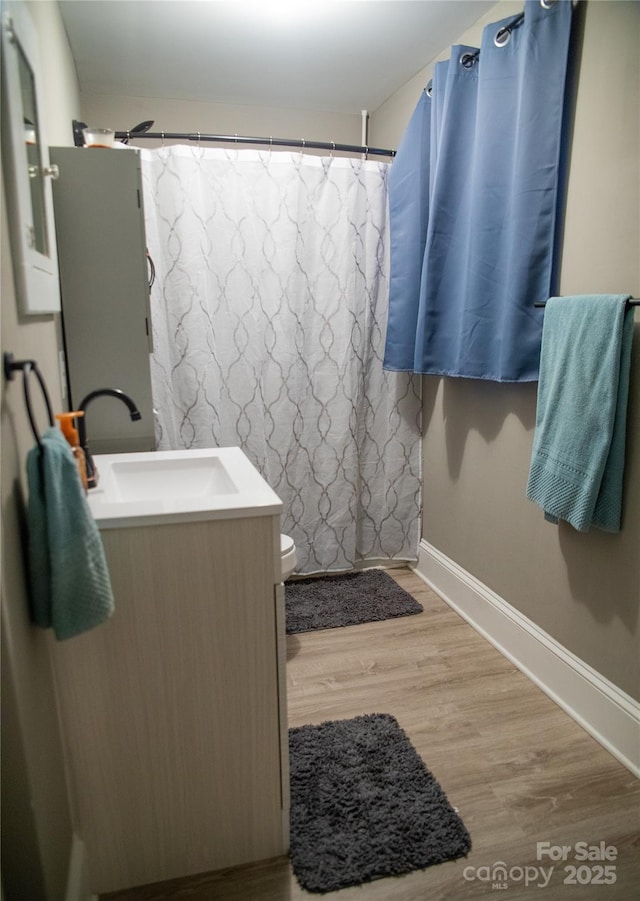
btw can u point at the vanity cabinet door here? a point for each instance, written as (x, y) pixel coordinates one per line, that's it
(174, 711)
(105, 290)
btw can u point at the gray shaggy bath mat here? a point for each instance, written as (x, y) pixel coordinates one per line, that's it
(345, 600)
(364, 806)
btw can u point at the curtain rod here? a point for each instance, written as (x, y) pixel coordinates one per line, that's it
(632, 302)
(269, 142)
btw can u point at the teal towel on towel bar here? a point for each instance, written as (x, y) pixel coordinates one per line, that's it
(69, 580)
(577, 461)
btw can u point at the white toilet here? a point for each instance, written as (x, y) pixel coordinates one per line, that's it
(287, 556)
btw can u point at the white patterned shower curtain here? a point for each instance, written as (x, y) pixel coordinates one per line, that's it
(269, 316)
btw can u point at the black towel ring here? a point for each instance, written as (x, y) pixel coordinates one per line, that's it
(11, 366)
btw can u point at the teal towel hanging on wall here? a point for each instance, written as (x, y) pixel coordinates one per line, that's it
(577, 461)
(70, 587)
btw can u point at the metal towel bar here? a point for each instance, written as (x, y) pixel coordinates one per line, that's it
(632, 302)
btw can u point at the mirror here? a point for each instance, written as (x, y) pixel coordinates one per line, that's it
(34, 162)
(26, 167)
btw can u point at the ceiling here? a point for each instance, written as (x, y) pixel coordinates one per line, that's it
(339, 56)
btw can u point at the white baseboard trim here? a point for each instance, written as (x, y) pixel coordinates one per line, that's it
(76, 875)
(610, 715)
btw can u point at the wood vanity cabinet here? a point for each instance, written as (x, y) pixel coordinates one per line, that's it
(104, 282)
(174, 712)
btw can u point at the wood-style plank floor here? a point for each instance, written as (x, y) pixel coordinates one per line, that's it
(519, 770)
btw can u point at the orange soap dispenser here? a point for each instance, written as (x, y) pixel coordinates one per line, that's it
(70, 432)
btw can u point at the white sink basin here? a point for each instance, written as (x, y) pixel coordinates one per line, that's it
(162, 478)
(178, 486)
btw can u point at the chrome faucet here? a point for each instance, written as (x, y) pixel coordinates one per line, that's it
(92, 475)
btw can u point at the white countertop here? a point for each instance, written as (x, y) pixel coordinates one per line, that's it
(157, 487)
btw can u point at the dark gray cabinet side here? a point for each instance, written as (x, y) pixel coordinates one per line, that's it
(105, 291)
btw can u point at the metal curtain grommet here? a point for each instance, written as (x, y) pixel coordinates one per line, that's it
(504, 34)
(547, 4)
(468, 60)
(502, 37)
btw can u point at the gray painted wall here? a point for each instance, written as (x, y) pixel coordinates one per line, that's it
(584, 590)
(36, 827)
